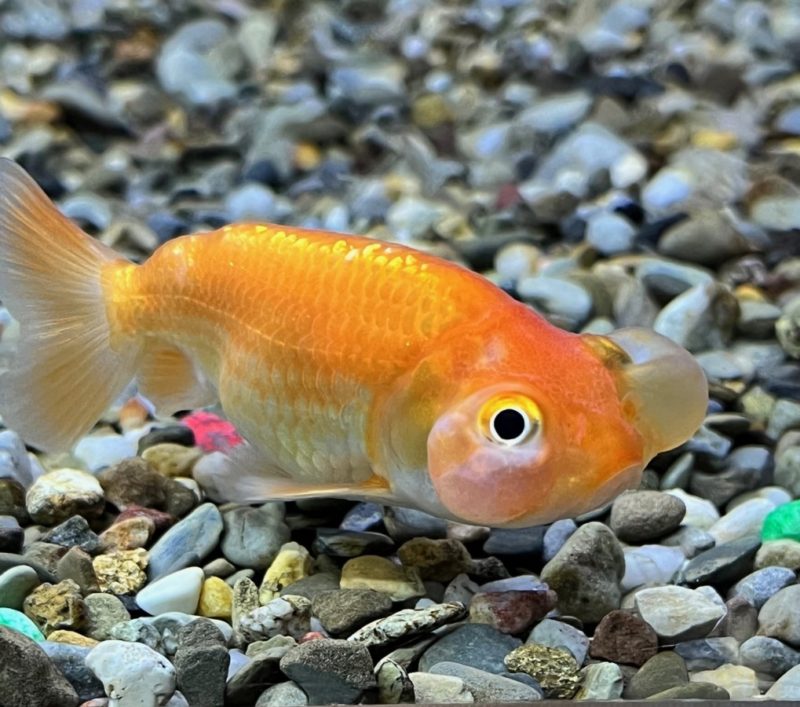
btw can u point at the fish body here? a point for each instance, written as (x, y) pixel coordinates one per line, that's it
(352, 367)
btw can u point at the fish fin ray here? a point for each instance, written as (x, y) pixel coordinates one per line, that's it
(247, 476)
(170, 380)
(65, 373)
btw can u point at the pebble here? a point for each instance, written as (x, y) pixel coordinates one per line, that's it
(780, 616)
(343, 611)
(12, 500)
(131, 673)
(514, 541)
(11, 534)
(553, 668)
(558, 634)
(477, 645)
(700, 512)
(782, 523)
(439, 560)
(330, 670)
(486, 687)
(14, 461)
(96, 452)
(745, 519)
(407, 622)
(186, 543)
(121, 572)
(254, 536)
(284, 694)
(216, 599)
(351, 543)
(201, 664)
(779, 553)
(71, 662)
(708, 653)
(555, 536)
(760, 585)
(382, 575)
(178, 591)
(768, 656)
(16, 620)
(15, 584)
(724, 563)
(63, 493)
(286, 615)
(651, 564)
(73, 532)
(128, 534)
(600, 681)
(511, 611)
(738, 681)
(170, 459)
(36, 680)
(623, 637)
(586, 573)
(104, 611)
(663, 671)
(71, 638)
(787, 687)
(678, 613)
(292, 563)
(610, 233)
(54, 606)
(430, 688)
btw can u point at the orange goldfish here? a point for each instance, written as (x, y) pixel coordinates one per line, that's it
(353, 368)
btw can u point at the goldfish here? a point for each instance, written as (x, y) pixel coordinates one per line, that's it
(352, 367)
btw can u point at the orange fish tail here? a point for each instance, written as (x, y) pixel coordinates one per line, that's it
(65, 373)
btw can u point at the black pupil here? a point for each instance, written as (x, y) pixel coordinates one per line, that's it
(509, 424)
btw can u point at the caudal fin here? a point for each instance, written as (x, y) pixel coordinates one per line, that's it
(65, 373)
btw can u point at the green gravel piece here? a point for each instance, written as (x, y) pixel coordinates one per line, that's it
(783, 523)
(17, 621)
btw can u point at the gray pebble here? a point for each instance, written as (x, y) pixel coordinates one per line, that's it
(708, 653)
(722, 564)
(487, 687)
(555, 536)
(284, 694)
(71, 662)
(641, 516)
(193, 537)
(15, 584)
(759, 586)
(768, 655)
(780, 616)
(557, 634)
(253, 536)
(476, 645)
(342, 611)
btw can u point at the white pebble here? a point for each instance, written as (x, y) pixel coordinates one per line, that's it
(179, 591)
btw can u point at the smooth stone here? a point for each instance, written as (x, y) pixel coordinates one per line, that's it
(216, 599)
(77, 565)
(71, 662)
(134, 482)
(405, 523)
(171, 434)
(461, 589)
(555, 536)
(187, 542)
(740, 682)
(12, 500)
(382, 575)
(511, 611)
(343, 611)
(96, 452)
(600, 681)
(760, 585)
(284, 694)
(700, 513)
(362, 517)
(11, 534)
(435, 559)
(254, 536)
(779, 553)
(14, 461)
(19, 622)
(477, 645)
(768, 656)
(722, 564)
(610, 233)
(692, 541)
(178, 591)
(351, 543)
(650, 564)
(29, 676)
(292, 563)
(661, 672)
(330, 670)
(787, 687)
(567, 302)
(487, 687)
(15, 584)
(132, 674)
(406, 622)
(394, 685)
(678, 613)
(780, 616)
(623, 637)
(63, 493)
(586, 573)
(745, 519)
(439, 689)
(314, 584)
(104, 612)
(691, 691)
(558, 634)
(708, 653)
(641, 516)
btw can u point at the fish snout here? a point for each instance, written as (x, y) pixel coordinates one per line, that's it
(664, 389)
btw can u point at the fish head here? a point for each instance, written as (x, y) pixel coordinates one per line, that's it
(557, 425)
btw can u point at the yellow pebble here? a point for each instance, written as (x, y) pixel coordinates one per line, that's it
(382, 575)
(121, 572)
(749, 292)
(292, 563)
(72, 638)
(715, 139)
(216, 599)
(172, 459)
(306, 156)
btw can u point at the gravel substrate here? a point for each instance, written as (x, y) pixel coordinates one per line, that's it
(609, 163)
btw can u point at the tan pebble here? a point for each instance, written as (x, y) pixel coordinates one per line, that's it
(128, 534)
(54, 606)
(133, 415)
(715, 139)
(172, 459)
(382, 575)
(72, 638)
(216, 599)
(292, 563)
(121, 572)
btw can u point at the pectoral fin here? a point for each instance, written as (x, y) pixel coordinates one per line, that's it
(171, 381)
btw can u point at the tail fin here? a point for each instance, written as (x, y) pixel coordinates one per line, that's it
(65, 373)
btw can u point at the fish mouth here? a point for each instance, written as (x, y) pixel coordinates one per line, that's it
(663, 389)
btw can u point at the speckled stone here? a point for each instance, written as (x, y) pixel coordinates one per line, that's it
(476, 645)
(642, 516)
(407, 622)
(440, 560)
(121, 572)
(343, 611)
(623, 637)
(553, 668)
(512, 611)
(486, 687)
(661, 672)
(54, 606)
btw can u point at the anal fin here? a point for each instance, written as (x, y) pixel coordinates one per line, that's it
(244, 476)
(171, 381)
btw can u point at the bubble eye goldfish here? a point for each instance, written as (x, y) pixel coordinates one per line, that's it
(352, 367)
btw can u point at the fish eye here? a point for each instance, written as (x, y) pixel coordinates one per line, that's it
(510, 426)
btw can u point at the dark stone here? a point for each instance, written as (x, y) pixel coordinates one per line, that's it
(70, 660)
(722, 487)
(351, 543)
(74, 532)
(29, 677)
(77, 566)
(9, 560)
(174, 434)
(12, 500)
(201, 663)
(740, 620)
(312, 585)
(244, 688)
(362, 517)
(663, 671)
(624, 637)
(180, 499)
(134, 482)
(45, 554)
(330, 670)
(477, 645)
(515, 541)
(722, 564)
(12, 536)
(343, 611)
(708, 653)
